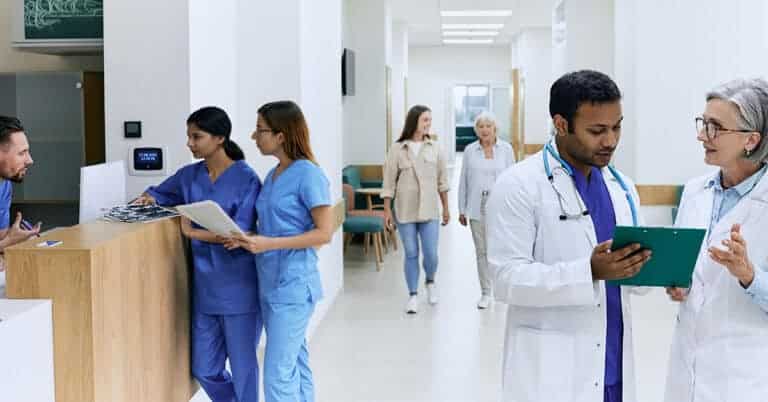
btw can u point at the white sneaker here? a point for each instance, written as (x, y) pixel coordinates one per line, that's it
(413, 305)
(484, 302)
(432, 293)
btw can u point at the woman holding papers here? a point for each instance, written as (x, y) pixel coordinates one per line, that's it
(226, 315)
(295, 217)
(721, 340)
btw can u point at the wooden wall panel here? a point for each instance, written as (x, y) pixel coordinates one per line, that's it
(65, 278)
(659, 194)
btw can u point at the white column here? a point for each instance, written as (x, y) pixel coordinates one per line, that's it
(399, 76)
(367, 34)
(588, 29)
(321, 102)
(147, 83)
(268, 65)
(534, 46)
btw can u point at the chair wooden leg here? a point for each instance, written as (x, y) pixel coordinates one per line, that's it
(377, 247)
(366, 240)
(385, 236)
(347, 239)
(379, 237)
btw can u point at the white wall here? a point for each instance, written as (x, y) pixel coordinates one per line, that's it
(268, 66)
(589, 37)
(147, 83)
(534, 48)
(671, 69)
(12, 60)
(212, 55)
(625, 77)
(321, 103)
(433, 71)
(235, 55)
(367, 34)
(399, 75)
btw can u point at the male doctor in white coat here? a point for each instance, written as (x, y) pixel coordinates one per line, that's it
(550, 221)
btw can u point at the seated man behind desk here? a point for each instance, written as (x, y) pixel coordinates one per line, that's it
(15, 159)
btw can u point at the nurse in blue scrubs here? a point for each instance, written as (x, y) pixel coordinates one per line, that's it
(226, 315)
(295, 217)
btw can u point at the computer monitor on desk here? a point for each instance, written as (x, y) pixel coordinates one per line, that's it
(101, 188)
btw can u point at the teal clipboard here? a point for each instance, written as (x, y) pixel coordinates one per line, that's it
(675, 251)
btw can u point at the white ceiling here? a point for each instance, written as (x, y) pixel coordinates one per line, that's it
(425, 23)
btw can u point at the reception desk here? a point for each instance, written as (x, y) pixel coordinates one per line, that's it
(120, 295)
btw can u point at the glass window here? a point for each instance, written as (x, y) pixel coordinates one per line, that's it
(470, 101)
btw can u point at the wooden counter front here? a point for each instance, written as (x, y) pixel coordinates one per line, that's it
(120, 309)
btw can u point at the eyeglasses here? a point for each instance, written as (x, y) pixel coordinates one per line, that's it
(713, 130)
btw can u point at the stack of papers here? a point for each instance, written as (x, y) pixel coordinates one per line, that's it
(210, 216)
(139, 213)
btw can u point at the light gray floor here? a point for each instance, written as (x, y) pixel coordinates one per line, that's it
(368, 350)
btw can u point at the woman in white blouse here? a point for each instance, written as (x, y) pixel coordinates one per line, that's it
(484, 160)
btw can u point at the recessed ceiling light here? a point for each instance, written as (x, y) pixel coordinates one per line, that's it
(473, 26)
(467, 41)
(477, 13)
(470, 33)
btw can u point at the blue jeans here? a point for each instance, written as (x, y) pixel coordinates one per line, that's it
(410, 233)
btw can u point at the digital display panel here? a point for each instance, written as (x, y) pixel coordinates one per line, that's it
(148, 159)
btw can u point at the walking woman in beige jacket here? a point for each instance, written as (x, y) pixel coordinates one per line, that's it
(415, 176)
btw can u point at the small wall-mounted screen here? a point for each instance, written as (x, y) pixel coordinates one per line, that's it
(348, 73)
(148, 159)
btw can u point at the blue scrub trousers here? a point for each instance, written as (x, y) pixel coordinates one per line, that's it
(287, 376)
(410, 233)
(613, 393)
(218, 337)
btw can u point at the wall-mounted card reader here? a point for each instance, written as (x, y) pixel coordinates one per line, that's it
(147, 161)
(132, 129)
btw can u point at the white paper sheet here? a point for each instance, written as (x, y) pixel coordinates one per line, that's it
(209, 215)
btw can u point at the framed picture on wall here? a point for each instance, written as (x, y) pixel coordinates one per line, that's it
(58, 26)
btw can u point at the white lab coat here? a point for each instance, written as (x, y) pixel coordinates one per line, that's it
(720, 348)
(556, 321)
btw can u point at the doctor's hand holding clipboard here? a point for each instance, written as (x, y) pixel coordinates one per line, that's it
(618, 264)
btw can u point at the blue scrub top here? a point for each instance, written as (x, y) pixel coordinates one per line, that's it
(284, 209)
(225, 282)
(597, 198)
(6, 194)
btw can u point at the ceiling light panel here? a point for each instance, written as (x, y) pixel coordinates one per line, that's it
(467, 41)
(473, 26)
(471, 33)
(476, 13)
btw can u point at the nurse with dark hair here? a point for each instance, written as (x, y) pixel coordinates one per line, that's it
(226, 318)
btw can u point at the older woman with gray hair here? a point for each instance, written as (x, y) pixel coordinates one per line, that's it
(720, 347)
(484, 160)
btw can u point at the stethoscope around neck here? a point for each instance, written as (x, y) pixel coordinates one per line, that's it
(564, 215)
